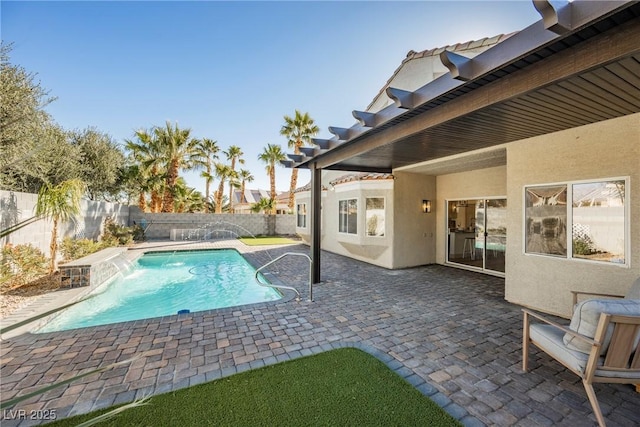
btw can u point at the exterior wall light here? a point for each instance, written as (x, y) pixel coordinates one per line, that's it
(426, 206)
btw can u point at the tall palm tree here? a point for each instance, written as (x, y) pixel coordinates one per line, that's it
(234, 153)
(264, 205)
(147, 154)
(177, 146)
(187, 199)
(272, 154)
(136, 183)
(245, 176)
(298, 130)
(204, 156)
(222, 172)
(59, 203)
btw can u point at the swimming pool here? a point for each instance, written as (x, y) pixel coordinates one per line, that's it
(164, 283)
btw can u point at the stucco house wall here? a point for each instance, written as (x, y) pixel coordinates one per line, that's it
(373, 249)
(608, 149)
(414, 232)
(475, 184)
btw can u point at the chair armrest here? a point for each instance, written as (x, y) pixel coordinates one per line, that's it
(598, 294)
(566, 330)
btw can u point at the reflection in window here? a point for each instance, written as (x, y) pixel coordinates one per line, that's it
(301, 215)
(375, 216)
(348, 216)
(546, 220)
(598, 221)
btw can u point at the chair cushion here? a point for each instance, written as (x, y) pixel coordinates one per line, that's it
(634, 290)
(550, 339)
(586, 316)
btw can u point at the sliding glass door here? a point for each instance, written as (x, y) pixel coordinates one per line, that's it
(477, 233)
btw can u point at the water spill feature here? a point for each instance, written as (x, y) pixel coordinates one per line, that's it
(220, 230)
(123, 265)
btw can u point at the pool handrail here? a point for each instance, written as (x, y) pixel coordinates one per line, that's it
(283, 286)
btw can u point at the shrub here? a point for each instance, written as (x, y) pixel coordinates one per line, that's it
(21, 264)
(77, 248)
(583, 246)
(115, 234)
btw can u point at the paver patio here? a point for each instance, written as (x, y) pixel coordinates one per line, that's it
(447, 331)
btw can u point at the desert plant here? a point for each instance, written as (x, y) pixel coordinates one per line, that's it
(583, 246)
(59, 203)
(21, 264)
(77, 248)
(115, 234)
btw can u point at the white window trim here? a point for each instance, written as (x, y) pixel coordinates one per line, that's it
(569, 257)
(357, 216)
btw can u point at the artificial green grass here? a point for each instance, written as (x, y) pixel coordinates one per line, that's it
(345, 387)
(266, 240)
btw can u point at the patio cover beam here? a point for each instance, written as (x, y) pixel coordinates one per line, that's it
(592, 53)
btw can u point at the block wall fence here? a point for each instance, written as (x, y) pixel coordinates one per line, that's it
(16, 207)
(159, 225)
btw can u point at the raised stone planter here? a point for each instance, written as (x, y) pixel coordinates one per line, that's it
(92, 270)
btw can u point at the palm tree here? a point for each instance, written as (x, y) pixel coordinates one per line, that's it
(177, 146)
(272, 154)
(264, 205)
(136, 183)
(222, 172)
(59, 203)
(205, 154)
(146, 153)
(234, 153)
(298, 131)
(187, 199)
(245, 176)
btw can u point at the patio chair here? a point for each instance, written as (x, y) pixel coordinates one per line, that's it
(601, 345)
(632, 293)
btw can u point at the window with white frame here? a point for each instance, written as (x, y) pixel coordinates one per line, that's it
(598, 221)
(578, 220)
(348, 216)
(301, 218)
(374, 216)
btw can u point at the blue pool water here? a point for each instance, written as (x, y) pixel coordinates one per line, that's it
(162, 284)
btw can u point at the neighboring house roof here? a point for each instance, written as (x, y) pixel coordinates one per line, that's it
(363, 176)
(476, 46)
(253, 196)
(307, 187)
(283, 197)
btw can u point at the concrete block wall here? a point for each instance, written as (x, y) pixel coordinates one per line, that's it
(16, 207)
(285, 224)
(159, 225)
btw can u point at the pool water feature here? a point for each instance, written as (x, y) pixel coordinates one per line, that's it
(165, 283)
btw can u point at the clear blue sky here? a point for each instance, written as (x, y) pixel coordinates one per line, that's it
(230, 71)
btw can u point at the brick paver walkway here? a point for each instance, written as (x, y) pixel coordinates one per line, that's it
(448, 331)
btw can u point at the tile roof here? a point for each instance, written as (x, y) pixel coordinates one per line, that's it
(458, 47)
(362, 176)
(307, 187)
